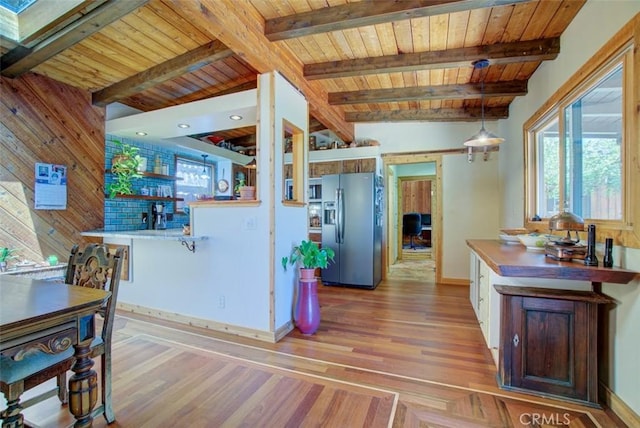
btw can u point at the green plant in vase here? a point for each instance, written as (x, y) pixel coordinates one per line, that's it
(6, 254)
(124, 168)
(309, 255)
(240, 183)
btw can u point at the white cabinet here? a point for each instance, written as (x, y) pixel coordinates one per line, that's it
(473, 281)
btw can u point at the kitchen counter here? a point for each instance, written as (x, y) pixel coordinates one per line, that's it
(531, 308)
(164, 235)
(516, 261)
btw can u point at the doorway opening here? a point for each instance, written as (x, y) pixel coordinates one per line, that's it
(413, 191)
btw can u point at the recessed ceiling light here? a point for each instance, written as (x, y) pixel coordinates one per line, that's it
(140, 133)
(235, 117)
(184, 125)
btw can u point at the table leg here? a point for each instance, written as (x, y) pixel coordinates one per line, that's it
(11, 416)
(83, 386)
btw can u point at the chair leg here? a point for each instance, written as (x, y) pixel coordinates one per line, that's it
(63, 392)
(109, 414)
(11, 416)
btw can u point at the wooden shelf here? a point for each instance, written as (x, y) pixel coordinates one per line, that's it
(150, 198)
(154, 175)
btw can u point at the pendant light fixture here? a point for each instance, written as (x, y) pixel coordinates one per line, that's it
(483, 138)
(204, 167)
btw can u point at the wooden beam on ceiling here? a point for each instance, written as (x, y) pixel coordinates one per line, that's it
(315, 125)
(366, 13)
(242, 30)
(22, 59)
(498, 54)
(171, 69)
(433, 115)
(421, 93)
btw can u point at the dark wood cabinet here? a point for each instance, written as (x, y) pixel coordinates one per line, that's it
(318, 169)
(548, 342)
(358, 165)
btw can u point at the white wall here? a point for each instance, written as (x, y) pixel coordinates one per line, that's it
(240, 262)
(470, 195)
(594, 25)
(291, 225)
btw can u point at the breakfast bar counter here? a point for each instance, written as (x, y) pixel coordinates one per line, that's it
(159, 234)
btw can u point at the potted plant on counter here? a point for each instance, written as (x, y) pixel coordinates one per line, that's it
(6, 254)
(309, 256)
(124, 166)
(246, 192)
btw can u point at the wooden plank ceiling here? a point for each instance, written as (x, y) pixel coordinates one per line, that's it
(355, 61)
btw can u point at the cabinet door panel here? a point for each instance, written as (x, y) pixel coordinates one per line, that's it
(545, 346)
(368, 165)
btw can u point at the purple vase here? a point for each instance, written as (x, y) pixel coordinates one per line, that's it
(307, 313)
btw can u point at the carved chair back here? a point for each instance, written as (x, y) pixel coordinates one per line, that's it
(96, 267)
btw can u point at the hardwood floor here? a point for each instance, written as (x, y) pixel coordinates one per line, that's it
(406, 354)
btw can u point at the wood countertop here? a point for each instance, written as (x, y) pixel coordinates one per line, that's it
(517, 261)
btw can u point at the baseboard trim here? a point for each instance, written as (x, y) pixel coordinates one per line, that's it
(283, 331)
(619, 407)
(454, 281)
(265, 336)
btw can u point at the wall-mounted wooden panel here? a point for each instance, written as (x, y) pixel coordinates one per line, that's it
(416, 196)
(43, 120)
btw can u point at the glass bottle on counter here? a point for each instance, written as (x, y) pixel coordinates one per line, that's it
(608, 253)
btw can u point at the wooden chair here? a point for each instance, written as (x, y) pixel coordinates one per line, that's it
(93, 267)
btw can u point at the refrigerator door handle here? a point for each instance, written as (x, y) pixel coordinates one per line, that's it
(336, 229)
(340, 225)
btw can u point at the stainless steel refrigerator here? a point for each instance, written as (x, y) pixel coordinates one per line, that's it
(352, 226)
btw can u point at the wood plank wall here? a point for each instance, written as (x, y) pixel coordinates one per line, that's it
(43, 120)
(416, 196)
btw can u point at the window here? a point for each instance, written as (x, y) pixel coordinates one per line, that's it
(195, 180)
(293, 174)
(575, 149)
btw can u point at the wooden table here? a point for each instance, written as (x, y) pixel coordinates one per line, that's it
(32, 313)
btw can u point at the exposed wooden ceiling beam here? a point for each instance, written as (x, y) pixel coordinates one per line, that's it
(21, 59)
(503, 53)
(315, 125)
(434, 115)
(242, 30)
(171, 69)
(442, 92)
(367, 13)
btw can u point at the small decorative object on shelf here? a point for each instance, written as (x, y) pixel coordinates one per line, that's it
(6, 254)
(608, 253)
(591, 259)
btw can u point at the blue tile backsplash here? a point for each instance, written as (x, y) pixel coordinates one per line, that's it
(126, 214)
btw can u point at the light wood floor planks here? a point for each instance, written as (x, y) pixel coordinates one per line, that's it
(406, 354)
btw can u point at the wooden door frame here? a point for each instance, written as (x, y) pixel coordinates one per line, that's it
(393, 159)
